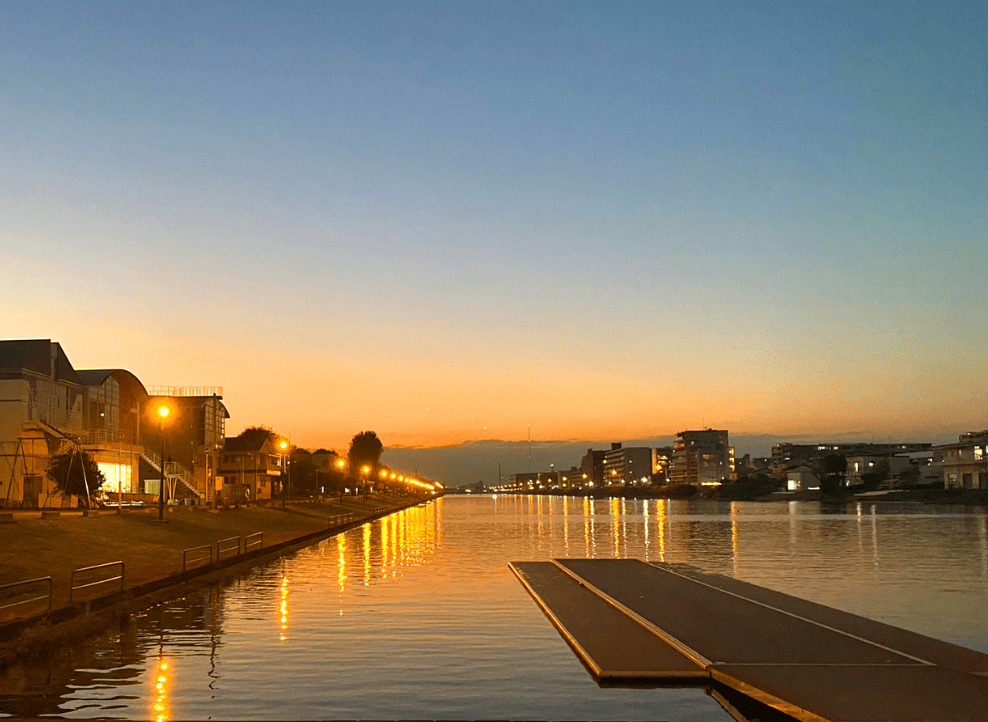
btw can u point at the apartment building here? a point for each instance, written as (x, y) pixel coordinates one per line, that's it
(702, 457)
(628, 466)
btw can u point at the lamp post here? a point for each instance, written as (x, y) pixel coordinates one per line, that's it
(162, 415)
(288, 470)
(341, 464)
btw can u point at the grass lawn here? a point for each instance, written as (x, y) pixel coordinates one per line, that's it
(32, 547)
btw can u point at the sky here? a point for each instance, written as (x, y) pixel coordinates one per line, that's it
(454, 222)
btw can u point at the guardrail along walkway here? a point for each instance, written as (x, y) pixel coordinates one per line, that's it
(631, 621)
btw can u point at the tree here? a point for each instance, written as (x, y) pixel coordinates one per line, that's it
(833, 464)
(909, 476)
(365, 450)
(256, 435)
(833, 469)
(303, 472)
(74, 471)
(872, 479)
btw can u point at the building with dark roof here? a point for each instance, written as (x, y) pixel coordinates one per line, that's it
(47, 407)
(965, 464)
(250, 469)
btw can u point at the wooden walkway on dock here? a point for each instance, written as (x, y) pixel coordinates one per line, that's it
(633, 622)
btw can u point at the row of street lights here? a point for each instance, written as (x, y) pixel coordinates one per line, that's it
(164, 410)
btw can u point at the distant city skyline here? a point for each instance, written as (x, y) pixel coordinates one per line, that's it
(451, 222)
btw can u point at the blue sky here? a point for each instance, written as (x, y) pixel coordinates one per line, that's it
(448, 221)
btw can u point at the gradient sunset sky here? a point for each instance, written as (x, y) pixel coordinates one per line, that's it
(449, 221)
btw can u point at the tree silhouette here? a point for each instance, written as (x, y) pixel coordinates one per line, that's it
(73, 471)
(833, 468)
(365, 450)
(303, 471)
(255, 436)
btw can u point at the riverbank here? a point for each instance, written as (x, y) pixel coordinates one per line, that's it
(152, 552)
(768, 492)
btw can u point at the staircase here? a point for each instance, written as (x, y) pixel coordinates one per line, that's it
(176, 472)
(151, 458)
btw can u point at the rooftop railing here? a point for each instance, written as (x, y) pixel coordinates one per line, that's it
(185, 391)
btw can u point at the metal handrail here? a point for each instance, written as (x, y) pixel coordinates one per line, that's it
(223, 546)
(28, 582)
(179, 391)
(257, 538)
(73, 587)
(177, 471)
(339, 519)
(185, 554)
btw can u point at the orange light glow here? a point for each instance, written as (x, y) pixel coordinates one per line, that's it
(159, 697)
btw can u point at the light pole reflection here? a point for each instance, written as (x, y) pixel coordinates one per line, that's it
(341, 567)
(660, 512)
(283, 609)
(734, 537)
(159, 696)
(615, 526)
(367, 555)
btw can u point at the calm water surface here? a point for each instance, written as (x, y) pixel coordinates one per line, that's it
(417, 616)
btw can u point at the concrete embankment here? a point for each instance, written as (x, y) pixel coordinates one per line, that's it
(153, 554)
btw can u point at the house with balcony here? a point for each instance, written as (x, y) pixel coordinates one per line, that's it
(965, 464)
(859, 466)
(249, 470)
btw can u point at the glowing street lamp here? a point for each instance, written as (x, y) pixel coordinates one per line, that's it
(285, 461)
(364, 471)
(163, 412)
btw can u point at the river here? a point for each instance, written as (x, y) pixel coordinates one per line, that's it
(416, 616)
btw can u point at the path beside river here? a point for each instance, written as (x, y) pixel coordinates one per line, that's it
(32, 547)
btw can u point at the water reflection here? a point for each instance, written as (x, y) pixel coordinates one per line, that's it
(416, 615)
(159, 693)
(283, 609)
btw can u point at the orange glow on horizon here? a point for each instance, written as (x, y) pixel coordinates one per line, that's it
(417, 403)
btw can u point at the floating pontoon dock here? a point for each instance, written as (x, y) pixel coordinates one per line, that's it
(633, 622)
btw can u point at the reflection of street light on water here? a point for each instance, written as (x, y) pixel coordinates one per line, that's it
(161, 679)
